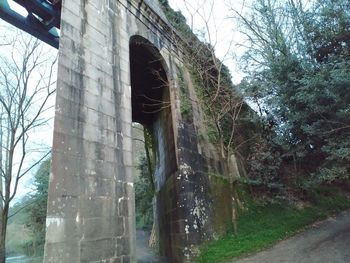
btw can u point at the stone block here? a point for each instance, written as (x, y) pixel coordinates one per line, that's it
(73, 7)
(123, 206)
(67, 163)
(97, 250)
(61, 229)
(123, 246)
(100, 168)
(102, 227)
(63, 252)
(95, 33)
(126, 259)
(66, 186)
(96, 186)
(71, 17)
(61, 206)
(91, 207)
(121, 189)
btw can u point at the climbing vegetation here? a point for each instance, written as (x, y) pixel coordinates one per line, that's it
(186, 105)
(225, 111)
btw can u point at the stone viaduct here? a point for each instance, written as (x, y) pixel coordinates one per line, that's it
(119, 63)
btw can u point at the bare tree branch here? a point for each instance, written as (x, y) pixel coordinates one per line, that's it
(27, 78)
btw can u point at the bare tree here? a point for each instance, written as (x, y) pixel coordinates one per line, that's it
(27, 78)
(223, 103)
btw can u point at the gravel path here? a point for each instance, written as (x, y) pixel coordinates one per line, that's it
(324, 242)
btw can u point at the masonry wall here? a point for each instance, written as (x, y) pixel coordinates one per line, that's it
(91, 197)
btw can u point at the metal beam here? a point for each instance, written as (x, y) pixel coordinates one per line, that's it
(42, 20)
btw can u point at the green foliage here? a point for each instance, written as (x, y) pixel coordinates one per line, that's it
(37, 210)
(186, 108)
(300, 83)
(212, 132)
(144, 196)
(26, 228)
(329, 32)
(262, 226)
(18, 234)
(177, 19)
(264, 169)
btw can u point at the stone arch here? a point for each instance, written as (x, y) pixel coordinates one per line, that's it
(151, 107)
(91, 195)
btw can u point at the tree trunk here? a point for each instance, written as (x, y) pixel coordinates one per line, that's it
(2, 245)
(2, 249)
(152, 242)
(3, 229)
(34, 248)
(234, 216)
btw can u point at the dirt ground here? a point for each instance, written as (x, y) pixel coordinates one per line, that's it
(324, 242)
(143, 253)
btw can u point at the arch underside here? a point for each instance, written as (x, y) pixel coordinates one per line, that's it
(151, 107)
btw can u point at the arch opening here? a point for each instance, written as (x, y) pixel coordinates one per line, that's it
(151, 107)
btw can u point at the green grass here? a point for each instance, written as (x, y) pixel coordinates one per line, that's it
(262, 226)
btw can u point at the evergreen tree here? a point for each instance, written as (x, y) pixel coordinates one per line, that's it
(37, 209)
(298, 76)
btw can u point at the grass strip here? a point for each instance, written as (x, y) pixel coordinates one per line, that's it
(262, 226)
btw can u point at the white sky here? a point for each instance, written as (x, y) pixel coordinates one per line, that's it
(221, 32)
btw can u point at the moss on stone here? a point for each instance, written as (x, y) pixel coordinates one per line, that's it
(185, 103)
(222, 197)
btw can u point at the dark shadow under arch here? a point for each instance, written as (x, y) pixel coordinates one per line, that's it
(149, 81)
(151, 107)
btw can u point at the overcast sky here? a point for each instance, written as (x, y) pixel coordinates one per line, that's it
(222, 33)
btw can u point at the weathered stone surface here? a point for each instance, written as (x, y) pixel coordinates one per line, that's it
(97, 249)
(110, 55)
